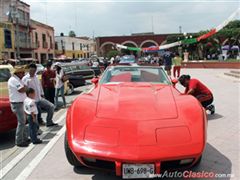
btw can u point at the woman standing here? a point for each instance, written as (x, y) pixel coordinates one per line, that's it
(59, 86)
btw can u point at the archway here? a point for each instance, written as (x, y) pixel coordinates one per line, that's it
(129, 44)
(148, 43)
(106, 47)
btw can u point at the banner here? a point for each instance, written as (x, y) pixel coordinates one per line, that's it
(185, 41)
(189, 41)
(167, 46)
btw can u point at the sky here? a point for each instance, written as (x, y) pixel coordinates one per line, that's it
(123, 17)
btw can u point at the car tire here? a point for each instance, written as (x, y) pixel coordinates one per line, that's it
(69, 154)
(198, 162)
(71, 89)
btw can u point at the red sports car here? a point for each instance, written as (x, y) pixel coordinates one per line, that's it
(8, 120)
(135, 123)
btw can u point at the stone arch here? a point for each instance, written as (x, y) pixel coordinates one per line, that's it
(106, 43)
(225, 41)
(148, 41)
(130, 42)
(105, 47)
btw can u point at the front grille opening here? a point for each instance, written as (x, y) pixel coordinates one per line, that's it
(108, 165)
(168, 165)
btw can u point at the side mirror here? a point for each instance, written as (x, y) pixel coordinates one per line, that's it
(174, 82)
(94, 80)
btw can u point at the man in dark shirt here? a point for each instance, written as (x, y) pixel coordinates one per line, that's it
(48, 77)
(167, 60)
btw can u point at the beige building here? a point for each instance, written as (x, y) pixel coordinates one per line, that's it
(74, 47)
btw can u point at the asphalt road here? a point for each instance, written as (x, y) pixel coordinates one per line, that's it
(48, 161)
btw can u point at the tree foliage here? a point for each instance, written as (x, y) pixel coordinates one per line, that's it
(112, 53)
(72, 34)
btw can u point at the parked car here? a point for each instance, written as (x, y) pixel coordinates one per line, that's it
(127, 59)
(136, 124)
(77, 74)
(8, 120)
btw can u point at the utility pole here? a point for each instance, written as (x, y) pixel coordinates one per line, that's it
(16, 18)
(152, 25)
(180, 29)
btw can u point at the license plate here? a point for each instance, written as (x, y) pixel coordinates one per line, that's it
(132, 171)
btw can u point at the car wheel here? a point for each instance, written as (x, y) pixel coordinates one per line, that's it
(198, 162)
(70, 89)
(69, 154)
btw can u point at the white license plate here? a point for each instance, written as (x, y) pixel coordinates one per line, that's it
(131, 171)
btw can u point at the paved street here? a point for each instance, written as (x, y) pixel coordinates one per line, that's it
(48, 161)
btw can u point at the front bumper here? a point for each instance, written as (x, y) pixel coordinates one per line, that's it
(112, 158)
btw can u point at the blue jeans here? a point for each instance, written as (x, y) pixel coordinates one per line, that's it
(48, 107)
(21, 131)
(61, 90)
(33, 128)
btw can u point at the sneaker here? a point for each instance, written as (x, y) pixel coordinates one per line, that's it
(41, 123)
(24, 144)
(211, 108)
(28, 140)
(52, 124)
(38, 141)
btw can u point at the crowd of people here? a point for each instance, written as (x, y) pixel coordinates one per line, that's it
(29, 97)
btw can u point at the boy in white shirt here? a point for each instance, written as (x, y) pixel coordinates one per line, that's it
(31, 111)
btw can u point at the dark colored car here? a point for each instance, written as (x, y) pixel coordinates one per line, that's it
(97, 70)
(77, 73)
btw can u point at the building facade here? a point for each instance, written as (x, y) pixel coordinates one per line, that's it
(74, 47)
(18, 13)
(141, 40)
(42, 36)
(7, 46)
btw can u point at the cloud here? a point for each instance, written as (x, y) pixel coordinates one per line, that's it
(119, 18)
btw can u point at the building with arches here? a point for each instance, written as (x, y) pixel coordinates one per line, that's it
(141, 40)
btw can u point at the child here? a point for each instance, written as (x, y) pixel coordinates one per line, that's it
(30, 109)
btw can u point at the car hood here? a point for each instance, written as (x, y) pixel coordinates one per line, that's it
(136, 101)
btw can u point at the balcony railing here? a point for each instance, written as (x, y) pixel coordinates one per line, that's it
(27, 45)
(45, 45)
(23, 22)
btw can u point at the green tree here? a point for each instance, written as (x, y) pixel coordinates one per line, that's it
(112, 53)
(72, 34)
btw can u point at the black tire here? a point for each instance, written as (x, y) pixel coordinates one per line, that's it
(71, 89)
(70, 156)
(198, 162)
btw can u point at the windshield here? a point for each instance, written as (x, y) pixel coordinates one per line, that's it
(4, 75)
(134, 74)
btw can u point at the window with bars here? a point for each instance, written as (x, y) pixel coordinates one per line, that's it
(7, 38)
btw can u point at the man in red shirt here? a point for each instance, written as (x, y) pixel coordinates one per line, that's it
(199, 90)
(48, 77)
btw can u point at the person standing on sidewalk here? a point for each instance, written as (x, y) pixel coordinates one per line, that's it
(31, 111)
(177, 62)
(48, 77)
(59, 86)
(167, 59)
(17, 95)
(31, 81)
